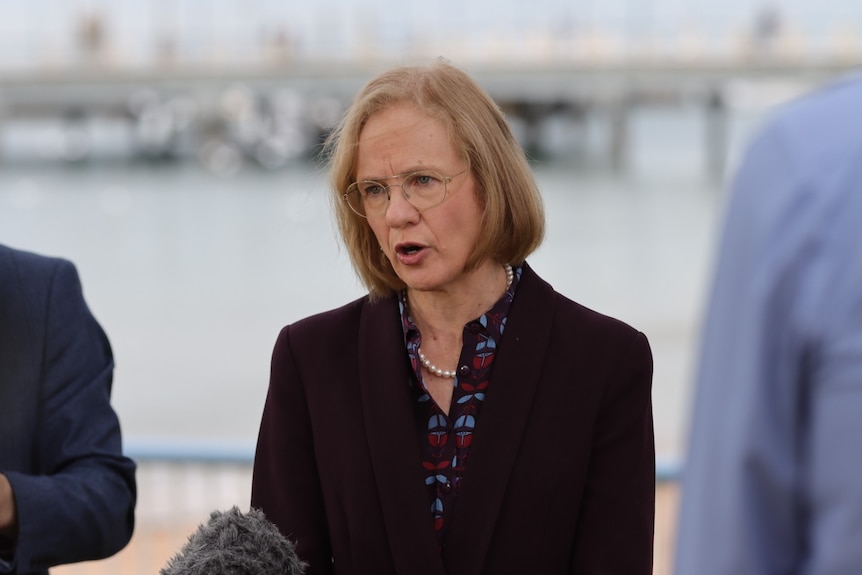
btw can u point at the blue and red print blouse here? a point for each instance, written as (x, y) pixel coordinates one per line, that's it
(445, 439)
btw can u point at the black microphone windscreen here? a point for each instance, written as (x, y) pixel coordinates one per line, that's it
(236, 543)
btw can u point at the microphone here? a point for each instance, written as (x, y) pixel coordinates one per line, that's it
(236, 543)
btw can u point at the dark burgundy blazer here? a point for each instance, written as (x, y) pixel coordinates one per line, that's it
(562, 468)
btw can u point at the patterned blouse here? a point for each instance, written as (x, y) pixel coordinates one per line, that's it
(445, 439)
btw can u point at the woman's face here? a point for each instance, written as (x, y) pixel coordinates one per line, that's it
(428, 249)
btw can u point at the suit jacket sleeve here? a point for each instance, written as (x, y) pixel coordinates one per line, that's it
(78, 502)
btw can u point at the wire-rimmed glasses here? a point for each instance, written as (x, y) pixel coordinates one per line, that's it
(423, 189)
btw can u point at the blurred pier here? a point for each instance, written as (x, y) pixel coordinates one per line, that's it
(277, 113)
(264, 81)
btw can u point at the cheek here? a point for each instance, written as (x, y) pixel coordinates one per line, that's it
(466, 222)
(380, 232)
(458, 235)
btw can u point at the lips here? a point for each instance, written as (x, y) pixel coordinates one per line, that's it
(409, 253)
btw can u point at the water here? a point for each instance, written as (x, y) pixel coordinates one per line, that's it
(192, 276)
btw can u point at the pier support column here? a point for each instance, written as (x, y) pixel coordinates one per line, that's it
(716, 134)
(532, 115)
(618, 136)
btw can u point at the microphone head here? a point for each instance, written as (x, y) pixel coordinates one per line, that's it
(236, 543)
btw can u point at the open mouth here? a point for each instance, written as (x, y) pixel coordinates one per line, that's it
(409, 249)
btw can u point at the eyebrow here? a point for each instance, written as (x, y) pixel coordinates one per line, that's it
(401, 175)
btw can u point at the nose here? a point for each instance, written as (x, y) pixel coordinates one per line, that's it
(399, 210)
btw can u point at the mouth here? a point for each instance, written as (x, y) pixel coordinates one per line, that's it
(410, 254)
(408, 249)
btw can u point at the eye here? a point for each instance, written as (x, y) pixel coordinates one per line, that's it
(423, 179)
(371, 189)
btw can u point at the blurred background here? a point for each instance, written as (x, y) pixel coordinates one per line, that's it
(169, 148)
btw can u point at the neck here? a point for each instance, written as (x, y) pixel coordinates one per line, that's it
(440, 313)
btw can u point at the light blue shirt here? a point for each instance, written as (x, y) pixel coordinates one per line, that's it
(773, 477)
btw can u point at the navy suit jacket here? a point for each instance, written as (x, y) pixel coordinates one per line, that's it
(60, 442)
(562, 468)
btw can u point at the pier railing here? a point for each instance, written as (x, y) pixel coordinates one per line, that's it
(181, 482)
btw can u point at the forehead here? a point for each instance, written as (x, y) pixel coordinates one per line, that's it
(403, 138)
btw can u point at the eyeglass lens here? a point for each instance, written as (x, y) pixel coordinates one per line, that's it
(422, 189)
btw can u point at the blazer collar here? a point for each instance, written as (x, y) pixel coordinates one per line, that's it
(387, 404)
(516, 374)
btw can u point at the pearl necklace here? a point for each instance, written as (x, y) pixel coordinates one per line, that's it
(450, 374)
(433, 368)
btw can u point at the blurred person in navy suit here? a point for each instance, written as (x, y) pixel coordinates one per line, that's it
(67, 493)
(773, 477)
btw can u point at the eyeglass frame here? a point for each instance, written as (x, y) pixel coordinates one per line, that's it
(355, 185)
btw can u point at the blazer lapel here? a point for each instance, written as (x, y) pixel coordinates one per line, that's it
(501, 425)
(387, 404)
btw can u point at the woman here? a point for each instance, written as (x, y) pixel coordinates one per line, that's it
(462, 418)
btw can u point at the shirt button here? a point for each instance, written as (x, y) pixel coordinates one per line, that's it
(464, 370)
(446, 487)
(475, 327)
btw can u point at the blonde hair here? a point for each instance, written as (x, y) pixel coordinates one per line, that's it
(513, 220)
